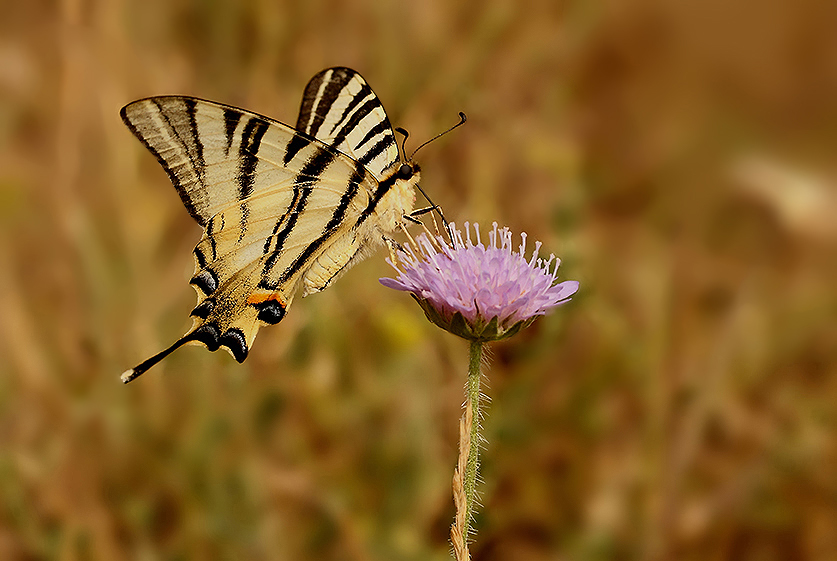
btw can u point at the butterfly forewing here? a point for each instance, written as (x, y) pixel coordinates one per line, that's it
(212, 151)
(282, 208)
(339, 108)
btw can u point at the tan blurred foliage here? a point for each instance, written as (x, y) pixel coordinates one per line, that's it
(679, 156)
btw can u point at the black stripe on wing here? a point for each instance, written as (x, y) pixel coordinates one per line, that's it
(382, 189)
(248, 160)
(198, 162)
(186, 133)
(350, 125)
(231, 119)
(337, 218)
(297, 143)
(381, 127)
(248, 157)
(335, 80)
(377, 149)
(303, 185)
(341, 110)
(365, 92)
(139, 129)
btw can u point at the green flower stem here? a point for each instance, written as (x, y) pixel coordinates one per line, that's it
(472, 465)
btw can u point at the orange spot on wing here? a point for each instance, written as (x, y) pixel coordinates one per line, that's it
(259, 297)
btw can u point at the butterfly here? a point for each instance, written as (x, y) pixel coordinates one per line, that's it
(284, 209)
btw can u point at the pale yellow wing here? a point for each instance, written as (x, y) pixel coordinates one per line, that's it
(281, 208)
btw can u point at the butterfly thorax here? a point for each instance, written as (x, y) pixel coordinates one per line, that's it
(398, 201)
(386, 206)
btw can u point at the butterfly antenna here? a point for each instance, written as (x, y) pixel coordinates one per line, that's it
(462, 119)
(433, 206)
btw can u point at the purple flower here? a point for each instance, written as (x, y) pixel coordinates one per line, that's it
(481, 293)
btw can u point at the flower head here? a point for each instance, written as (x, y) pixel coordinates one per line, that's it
(479, 292)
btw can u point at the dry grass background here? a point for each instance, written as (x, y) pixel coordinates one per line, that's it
(678, 155)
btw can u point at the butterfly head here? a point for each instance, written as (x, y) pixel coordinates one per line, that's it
(406, 171)
(409, 171)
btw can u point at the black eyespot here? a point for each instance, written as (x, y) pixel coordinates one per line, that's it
(405, 171)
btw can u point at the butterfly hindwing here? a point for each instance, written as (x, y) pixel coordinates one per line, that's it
(262, 265)
(282, 208)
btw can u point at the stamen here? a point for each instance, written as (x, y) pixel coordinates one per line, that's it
(427, 248)
(458, 235)
(535, 254)
(507, 239)
(548, 262)
(433, 239)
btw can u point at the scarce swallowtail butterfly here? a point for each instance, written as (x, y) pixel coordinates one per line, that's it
(283, 208)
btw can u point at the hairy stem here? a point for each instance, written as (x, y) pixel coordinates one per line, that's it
(472, 466)
(465, 476)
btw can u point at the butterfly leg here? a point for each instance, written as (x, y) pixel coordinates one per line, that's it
(422, 211)
(393, 246)
(410, 218)
(433, 207)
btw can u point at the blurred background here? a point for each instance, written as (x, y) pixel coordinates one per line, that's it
(679, 157)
